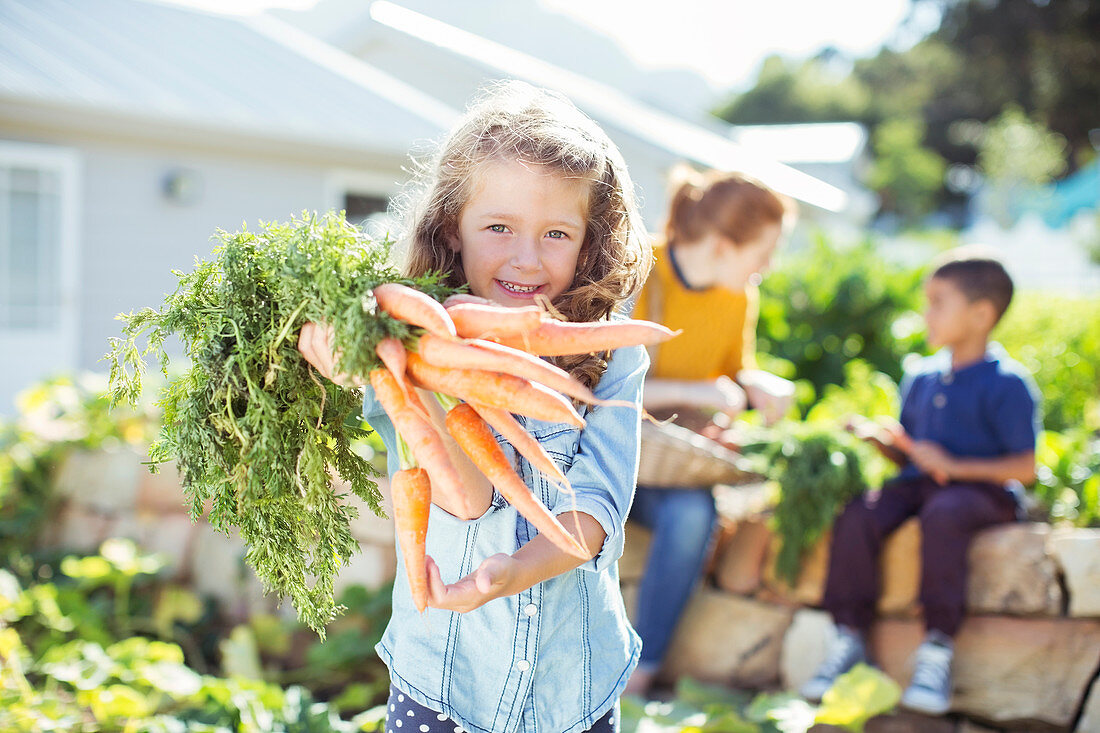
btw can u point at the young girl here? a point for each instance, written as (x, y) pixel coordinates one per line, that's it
(526, 198)
(722, 230)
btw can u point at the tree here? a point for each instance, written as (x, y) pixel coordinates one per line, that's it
(986, 56)
(809, 91)
(906, 175)
(1016, 155)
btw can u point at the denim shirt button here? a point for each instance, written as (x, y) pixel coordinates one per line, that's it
(523, 665)
(530, 609)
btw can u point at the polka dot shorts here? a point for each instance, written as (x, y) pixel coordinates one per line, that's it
(404, 715)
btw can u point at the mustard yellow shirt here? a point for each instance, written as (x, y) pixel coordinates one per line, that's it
(718, 325)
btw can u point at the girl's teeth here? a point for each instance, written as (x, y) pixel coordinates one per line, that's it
(518, 288)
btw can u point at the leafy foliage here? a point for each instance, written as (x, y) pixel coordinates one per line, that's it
(70, 664)
(824, 306)
(817, 470)
(858, 695)
(906, 175)
(1057, 338)
(252, 429)
(985, 57)
(56, 416)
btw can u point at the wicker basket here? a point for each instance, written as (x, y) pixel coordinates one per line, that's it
(676, 457)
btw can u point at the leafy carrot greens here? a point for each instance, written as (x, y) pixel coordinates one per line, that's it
(254, 431)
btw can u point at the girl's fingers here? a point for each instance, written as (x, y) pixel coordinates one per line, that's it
(436, 589)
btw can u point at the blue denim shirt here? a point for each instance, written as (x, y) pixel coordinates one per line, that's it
(556, 657)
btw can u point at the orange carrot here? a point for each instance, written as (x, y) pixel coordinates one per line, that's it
(412, 306)
(477, 441)
(479, 320)
(495, 389)
(392, 353)
(494, 357)
(412, 496)
(557, 338)
(524, 443)
(465, 298)
(421, 436)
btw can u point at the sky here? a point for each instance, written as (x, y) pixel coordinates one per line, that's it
(741, 33)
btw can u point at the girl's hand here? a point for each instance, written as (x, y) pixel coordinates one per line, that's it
(315, 346)
(771, 395)
(491, 580)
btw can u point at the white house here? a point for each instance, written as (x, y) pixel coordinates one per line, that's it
(834, 152)
(130, 131)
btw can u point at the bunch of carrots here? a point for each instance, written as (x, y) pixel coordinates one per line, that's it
(482, 363)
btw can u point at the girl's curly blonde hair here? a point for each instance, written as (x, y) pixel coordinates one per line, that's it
(516, 121)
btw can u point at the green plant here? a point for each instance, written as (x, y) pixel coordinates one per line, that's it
(56, 416)
(251, 427)
(68, 680)
(824, 306)
(1068, 476)
(857, 696)
(117, 566)
(816, 470)
(1057, 339)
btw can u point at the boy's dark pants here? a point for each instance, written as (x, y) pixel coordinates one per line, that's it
(949, 515)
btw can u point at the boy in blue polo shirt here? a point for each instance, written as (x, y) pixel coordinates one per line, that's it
(969, 422)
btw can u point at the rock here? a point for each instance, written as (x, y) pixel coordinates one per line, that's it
(629, 590)
(727, 639)
(892, 642)
(104, 480)
(745, 501)
(739, 563)
(218, 562)
(369, 527)
(635, 552)
(899, 571)
(902, 721)
(804, 646)
(1077, 552)
(79, 528)
(170, 535)
(810, 587)
(161, 492)
(969, 726)
(372, 567)
(1012, 572)
(1007, 670)
(1090, 714)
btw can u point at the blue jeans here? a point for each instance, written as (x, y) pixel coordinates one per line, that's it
(682, 521)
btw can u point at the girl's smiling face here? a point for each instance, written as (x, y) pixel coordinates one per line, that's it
(520, 232)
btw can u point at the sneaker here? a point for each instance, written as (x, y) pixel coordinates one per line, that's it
(929, 691)
(845, 651)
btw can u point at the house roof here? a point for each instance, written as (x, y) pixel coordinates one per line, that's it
(811, 142)
(534, 27)
(177, 66)
(613, 108)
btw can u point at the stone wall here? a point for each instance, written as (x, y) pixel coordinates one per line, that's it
(1027, 655)
(1027, 658)
(109, 493)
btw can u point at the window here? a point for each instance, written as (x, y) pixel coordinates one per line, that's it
(362, 208)
(364, 195)
(30, 230)
(36, 200)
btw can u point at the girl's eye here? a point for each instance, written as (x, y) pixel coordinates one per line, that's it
(556, 234)
(498, 228)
